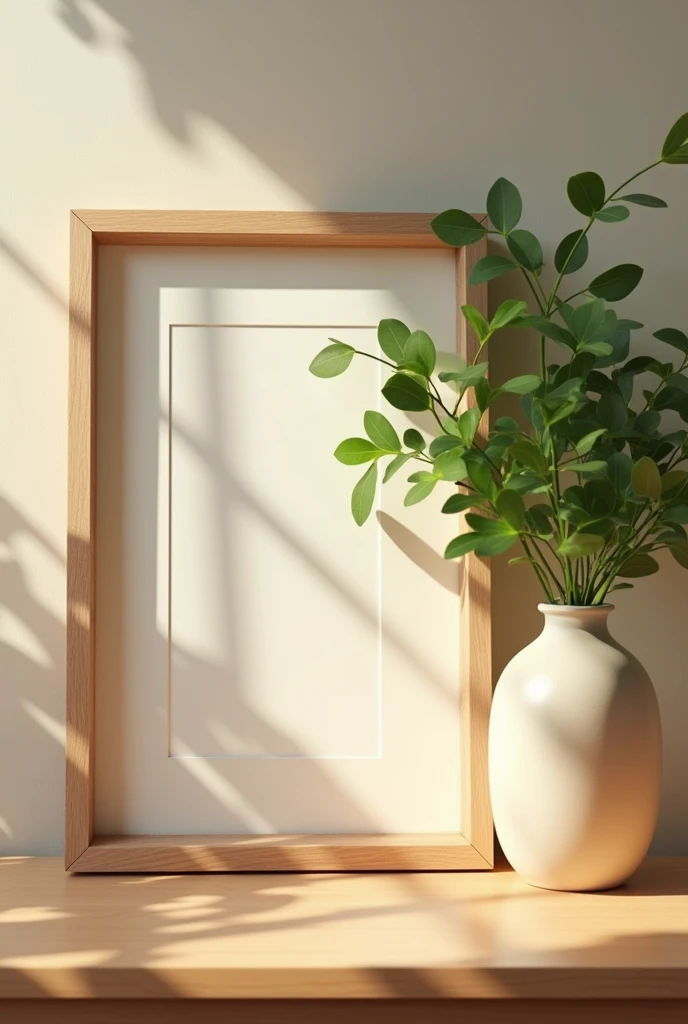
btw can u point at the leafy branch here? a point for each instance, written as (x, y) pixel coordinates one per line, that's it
(590, 486)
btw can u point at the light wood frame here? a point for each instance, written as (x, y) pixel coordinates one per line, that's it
(470, 848)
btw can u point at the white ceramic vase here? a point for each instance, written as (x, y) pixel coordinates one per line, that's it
(575, 755)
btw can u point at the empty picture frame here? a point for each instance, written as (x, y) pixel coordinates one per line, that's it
(470, 846)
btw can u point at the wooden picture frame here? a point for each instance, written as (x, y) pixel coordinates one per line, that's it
(472, 847)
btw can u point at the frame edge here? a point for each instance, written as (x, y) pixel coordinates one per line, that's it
(80, 711)
(87, 229)
(475, 689)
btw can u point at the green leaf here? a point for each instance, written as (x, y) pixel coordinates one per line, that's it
(613, 214)
(641, 199)
(470, 376)
(674, 478)
(617, 283)
(679, 157)
(504, 205)
(493, 527)
(460, 502)
(674, 337)
(645, 478)
(462, 545)
(538, 522)
(526, 250)
(597, 348)
(332, 360)
(676, 514)
(456, 227)
(677, 381)
(419, 349)
(621, 586)
(599, 498)
(584, 467)
(476, 320)
(646, 422)
(404, 392)
(483, 394)
(526, 483)
(450, 465)
(641, 364)
(566, 390)
(587, 319)
(619, 471)
(492, 544)
(566, 247)
(391, 337)
(509, 505)
(356, 450)
(395, 465)
(619, 343)
(587, 443)
(580, 545)
(528, 454)
(381, 432)
(680, 553)
(489, 268)
(468, 424)
(508, 311)
(451, 426)
(640, 564)
(445, 443)
(555, 332)
(505, 425)
(420, 490)
(586, 192)
(363, 495)
(480, 475)
(414, 439)
(522, 385)
(612, 412)
(565, 411)
(676, 138)
(670, 533)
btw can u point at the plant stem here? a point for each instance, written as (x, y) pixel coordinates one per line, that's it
(530, 284)
(557, 283)
(632, 178)
(377, 359)
(538, 572)
(547, 566)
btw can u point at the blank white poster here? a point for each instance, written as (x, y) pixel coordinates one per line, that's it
(265, 665)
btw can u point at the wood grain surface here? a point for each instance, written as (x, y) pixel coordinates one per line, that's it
(385, 937)
(260, 228)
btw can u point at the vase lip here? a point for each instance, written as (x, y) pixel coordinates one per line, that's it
(578, 609)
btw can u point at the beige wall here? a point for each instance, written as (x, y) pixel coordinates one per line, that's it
(304, 104)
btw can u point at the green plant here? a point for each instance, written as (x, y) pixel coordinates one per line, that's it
(588, 483)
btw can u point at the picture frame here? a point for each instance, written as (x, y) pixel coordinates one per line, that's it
(472, 846)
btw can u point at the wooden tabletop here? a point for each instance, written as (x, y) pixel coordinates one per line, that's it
(471, 935)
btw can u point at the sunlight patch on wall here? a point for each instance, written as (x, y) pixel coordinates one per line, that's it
(49, 724)
(18, 635)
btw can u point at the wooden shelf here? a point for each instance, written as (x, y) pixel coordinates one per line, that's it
(483, 937)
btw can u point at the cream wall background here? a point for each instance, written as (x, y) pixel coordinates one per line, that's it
(305, 104)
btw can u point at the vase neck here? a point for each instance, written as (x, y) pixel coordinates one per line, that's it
(568, 617)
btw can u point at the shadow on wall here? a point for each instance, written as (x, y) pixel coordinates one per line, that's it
(32, 652)
(299, 84)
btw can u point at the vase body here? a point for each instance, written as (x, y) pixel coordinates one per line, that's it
(575, 755)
